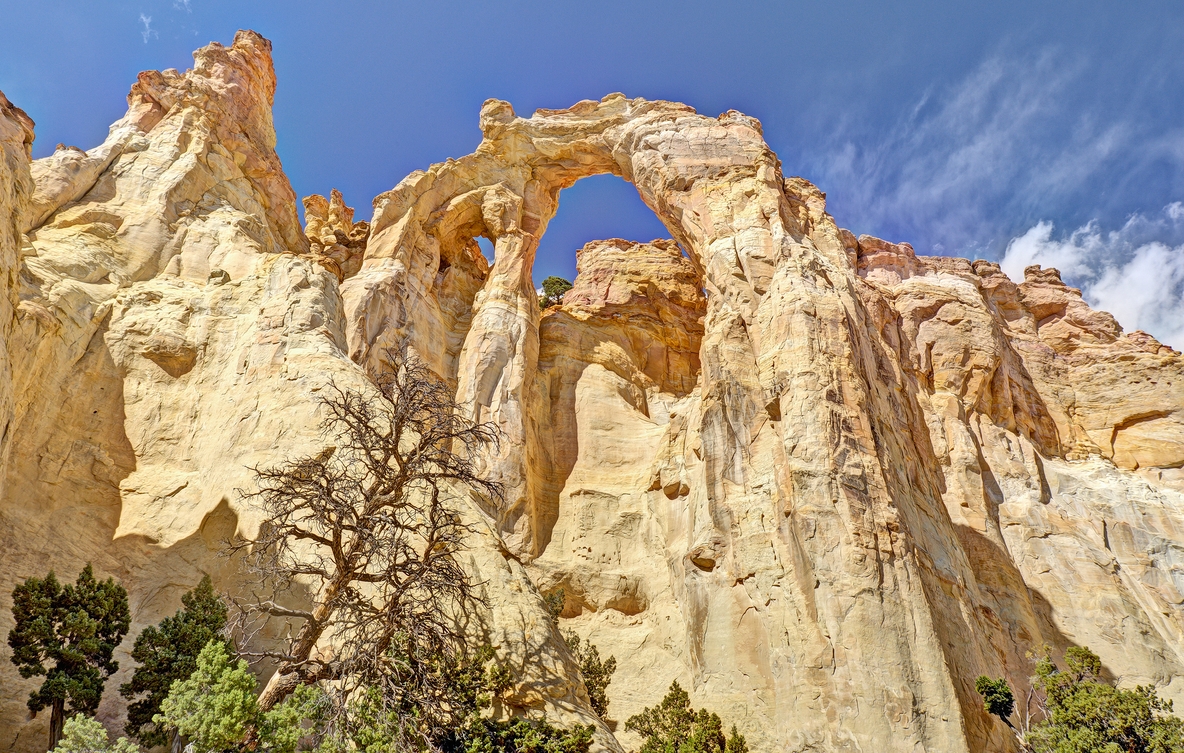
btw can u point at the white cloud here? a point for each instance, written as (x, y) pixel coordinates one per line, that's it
(973, 162)
(1037, 246)
(997, 137)
(148, 30)
(182, 5)
(1146, 293)
(1139, 281)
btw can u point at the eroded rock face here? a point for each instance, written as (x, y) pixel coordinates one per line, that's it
(1030, 398)
(172, 331)
(820, 480)
(623, 347)
(16, 187)
(336, 241)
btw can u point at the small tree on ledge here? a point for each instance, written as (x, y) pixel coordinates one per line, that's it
(553, 290)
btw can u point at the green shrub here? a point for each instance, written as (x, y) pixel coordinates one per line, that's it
(997, 696)
(674, 727)
(166, 653)
(82, 734)
(216, 708)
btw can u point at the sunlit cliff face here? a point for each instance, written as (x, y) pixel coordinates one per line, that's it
(820, 481)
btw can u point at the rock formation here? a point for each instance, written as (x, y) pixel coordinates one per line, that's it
(820, 480)
(336, 241)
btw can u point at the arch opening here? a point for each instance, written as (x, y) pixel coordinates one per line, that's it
(626, 338)
(486, 246)
(598, 207)
(508, 191)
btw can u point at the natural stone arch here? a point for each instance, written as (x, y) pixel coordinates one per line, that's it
(804, 481)
(816, 590)
(508, 190)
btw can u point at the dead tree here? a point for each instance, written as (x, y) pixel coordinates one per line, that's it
(371, 526)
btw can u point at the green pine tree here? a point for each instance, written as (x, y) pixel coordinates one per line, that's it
(1086, 714)
(736, 742)
(553, 290)
(674, 727)
(74, 629)
(166, 653)
(597, 673)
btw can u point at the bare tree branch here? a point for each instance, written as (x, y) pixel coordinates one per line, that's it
(371, 525)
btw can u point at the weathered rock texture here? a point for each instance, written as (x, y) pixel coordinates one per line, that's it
(336, 241)
(821, 481)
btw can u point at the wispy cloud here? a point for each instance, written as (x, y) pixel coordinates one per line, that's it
(148, 31)
(1017, 138)
(1135, 272)
(182, 5)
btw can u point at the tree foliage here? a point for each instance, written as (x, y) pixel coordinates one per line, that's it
(553, 290)
(525, 736)
(429, 697)
(1083, 713)
(555, 602)
(597, 673)
(1086, 714)
(68, 634)
(997, 697)
(83, 734)
(168, 652)
(439, 702)
(216, 708)
(674, 727)
(371, 524)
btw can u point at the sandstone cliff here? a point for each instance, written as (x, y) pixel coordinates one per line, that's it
(820, 480)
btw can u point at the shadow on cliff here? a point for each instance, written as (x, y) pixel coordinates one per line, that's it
(568, 345)
(537, 674)
(70, 455)
(1023, 619)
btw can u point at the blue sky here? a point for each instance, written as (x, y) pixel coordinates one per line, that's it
(1017, 131)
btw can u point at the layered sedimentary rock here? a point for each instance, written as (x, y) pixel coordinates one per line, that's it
(820, 480)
